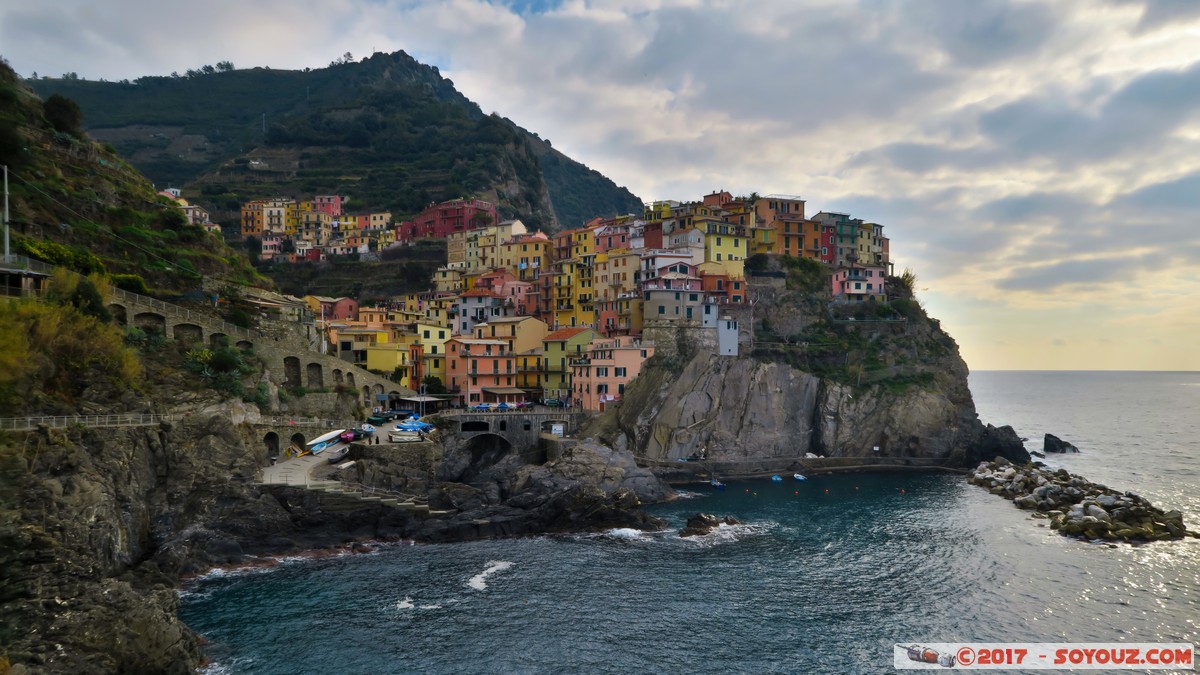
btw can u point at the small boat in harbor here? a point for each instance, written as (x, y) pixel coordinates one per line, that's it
(405, 436)
(776, 479)
(717, 484)
(798, 476)
(338, 454)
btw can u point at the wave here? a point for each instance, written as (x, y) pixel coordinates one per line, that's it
(626, 533)
(729, 534)
(687, 494)
(406, 603)
(478, 581)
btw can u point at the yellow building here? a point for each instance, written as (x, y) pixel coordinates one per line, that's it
(726, 244)
(522, 333)
(432, 338)
(525, 254)
(559, 347)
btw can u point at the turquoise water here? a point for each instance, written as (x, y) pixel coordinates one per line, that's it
(824, 576)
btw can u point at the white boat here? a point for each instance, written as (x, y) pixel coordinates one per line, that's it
(326, 437)
(405, 437)
(798, 476)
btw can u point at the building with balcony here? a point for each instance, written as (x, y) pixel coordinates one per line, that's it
(856, 283)
(600, 375)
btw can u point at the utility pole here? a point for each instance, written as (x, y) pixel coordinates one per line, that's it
(6, 251)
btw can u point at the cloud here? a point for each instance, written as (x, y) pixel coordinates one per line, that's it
(1024, 155)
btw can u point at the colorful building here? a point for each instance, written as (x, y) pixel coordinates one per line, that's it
(600, 375)
(558, 347)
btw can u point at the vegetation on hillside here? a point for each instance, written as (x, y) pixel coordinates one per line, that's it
(388, 131)
(52, 352)
(75, 204)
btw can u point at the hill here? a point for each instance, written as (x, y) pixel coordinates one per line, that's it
(389, 131)
(75, 203)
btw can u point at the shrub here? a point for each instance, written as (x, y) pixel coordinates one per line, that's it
(130, 282)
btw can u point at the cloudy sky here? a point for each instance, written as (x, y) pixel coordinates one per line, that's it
(1037, 164)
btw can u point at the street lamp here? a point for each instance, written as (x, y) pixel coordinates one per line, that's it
(422, 401)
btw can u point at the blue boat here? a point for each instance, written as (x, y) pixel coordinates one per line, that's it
(717, 484)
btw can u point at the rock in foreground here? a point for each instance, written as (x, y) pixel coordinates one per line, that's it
(703, 523)
(1078, 507)
(1053, 443)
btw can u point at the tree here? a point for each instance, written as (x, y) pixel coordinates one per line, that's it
(64, 114)
(433, 385)
(207, 69)
(225, 66)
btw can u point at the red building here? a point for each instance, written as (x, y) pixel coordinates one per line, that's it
(438, 221)
(330, 204)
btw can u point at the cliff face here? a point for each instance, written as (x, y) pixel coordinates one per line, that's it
(888, 384)
(745, 409)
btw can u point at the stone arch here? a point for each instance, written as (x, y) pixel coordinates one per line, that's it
(377, 389)
(367, 396)
(151, 322)
(297, 443)
(188, 332)
(350, 379)
(547, 425)
(271, 440)
(217, 340)
(486, 450)
(291, 371)
(503, 425)
(337, 376)
(313, 377)
(245, 345)
(118, 313)
(472, 426)
(527, 425)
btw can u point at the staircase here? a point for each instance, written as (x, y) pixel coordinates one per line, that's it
(338, 496)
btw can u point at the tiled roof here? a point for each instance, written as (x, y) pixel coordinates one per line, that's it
(564, 333)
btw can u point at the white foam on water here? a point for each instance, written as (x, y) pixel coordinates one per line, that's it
(430, 607)
(406, 603)
(685, 494)
(625, 533)
(478, 581)
(728, 534)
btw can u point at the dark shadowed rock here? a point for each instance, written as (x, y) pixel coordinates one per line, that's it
(703, 523)
(1055, 444)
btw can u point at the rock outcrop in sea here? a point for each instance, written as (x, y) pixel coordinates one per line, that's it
(1054, 444)
(1078, 507)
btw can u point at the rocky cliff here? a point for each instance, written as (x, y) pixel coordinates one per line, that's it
(97, 527)
(874, 382)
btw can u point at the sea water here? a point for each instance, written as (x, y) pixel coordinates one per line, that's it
(825, 575)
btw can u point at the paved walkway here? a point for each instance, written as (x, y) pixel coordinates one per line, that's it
(296, 471)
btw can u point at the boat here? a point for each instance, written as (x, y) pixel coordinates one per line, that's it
(798, 476)
(338, 454)
(326, 437)
(323, 445)
(717, 484)
(348, 436)
(367, 428)
(405, 437)
(776, 479)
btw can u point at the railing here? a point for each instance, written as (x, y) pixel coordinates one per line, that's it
(58, 422)
(281, 421)
(25, 263)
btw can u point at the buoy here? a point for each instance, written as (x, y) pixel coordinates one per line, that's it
(901, 491)
(826, 490)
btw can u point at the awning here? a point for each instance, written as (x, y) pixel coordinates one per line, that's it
(422, 399)
(505, 391)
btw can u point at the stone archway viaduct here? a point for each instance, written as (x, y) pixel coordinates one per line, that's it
(290, 357)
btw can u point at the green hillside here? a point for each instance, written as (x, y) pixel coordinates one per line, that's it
(390, 132)
(75, 203)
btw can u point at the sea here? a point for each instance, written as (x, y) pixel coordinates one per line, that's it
(824, 575)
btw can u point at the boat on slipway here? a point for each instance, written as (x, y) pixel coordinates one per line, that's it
(325, 441)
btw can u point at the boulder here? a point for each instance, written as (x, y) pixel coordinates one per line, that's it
(1053, 443)
(703, 523)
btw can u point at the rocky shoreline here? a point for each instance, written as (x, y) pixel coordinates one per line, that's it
(1077, 507)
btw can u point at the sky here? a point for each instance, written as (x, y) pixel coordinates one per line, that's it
(1035, 163)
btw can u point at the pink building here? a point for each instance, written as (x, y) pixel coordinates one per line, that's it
(439, 220)
(330, 204)
(272, 245)
(608, 365)
(856, 283)
(481, 371)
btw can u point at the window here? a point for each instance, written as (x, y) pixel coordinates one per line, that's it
(692, 297)
(662, 310)
(619, 372)
(426, 335)
(718, 257)
(602, 371)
